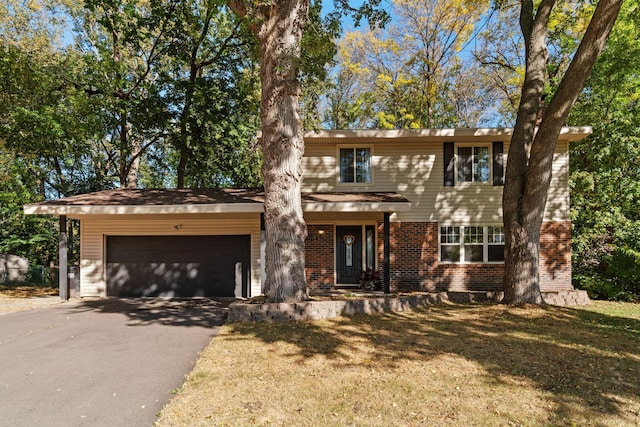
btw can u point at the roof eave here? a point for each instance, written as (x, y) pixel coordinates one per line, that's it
(35, 209)
(567, 133)
(60, 210)
(356, 206)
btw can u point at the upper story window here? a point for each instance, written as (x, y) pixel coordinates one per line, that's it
(355, 165)
(473, 164)
(480, 163)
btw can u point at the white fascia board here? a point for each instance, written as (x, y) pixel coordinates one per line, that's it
(216, 208)
(355, 207)
(138, 209)
(568, 133)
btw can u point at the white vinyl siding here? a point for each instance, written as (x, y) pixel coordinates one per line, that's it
(94, 229)
(416, 171)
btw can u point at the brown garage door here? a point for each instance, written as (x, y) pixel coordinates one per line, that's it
(177, 266)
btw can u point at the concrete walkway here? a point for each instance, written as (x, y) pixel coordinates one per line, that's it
(99, 363)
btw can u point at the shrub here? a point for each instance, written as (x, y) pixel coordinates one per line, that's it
(370, 280)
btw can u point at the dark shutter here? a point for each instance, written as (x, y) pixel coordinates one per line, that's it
(498, 163)
(449, 164)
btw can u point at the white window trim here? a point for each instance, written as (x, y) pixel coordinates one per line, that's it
(485, 244)
(455, 162)
(354, 184)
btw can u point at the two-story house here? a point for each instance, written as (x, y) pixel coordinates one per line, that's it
(428, 202)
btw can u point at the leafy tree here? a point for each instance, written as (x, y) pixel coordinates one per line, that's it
(605, 167)
(279, 28)
(125, 45)
(211, 90)
(38, 113)
(33, 237)
(528, 173)
(179, 101)
(412, 74)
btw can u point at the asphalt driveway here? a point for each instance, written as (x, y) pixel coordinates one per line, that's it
(99, 363)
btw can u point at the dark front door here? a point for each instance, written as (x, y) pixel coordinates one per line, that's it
(348, 254)
(177, 266)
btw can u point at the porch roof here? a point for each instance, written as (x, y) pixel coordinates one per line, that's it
(209, 200)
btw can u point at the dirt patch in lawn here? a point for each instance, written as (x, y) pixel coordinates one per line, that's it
(441, 365)
(20, 298)
(27, 291)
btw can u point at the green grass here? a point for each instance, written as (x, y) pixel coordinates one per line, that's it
(441, 365)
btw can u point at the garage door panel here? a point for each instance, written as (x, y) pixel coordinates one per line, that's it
(177, 266)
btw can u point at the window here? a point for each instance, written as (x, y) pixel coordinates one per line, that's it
(355, 165)
(370, 247)
(495, 244)
(482, 164)
(472, 244)
(473, 164)
(450, 244)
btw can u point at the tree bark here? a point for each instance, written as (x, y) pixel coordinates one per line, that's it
(279, 26)
(134, 165)
(530, 161)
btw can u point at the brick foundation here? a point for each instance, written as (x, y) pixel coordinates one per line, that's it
(415, 266)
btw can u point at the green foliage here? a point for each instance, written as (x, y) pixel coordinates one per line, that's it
(605, 167)
(210, 86)
(412, 74)
(32, 237)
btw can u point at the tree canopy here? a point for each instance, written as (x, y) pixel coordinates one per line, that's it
(604, 168)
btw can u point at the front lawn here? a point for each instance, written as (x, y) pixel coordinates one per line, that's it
(19, 291)
(485, 365)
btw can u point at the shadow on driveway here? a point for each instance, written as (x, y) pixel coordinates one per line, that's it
(205, 312)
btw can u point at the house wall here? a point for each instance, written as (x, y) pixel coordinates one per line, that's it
(415, 260)
(320, 261)
(95, 228)
(416, 171)
(320, 244)
(415, 266)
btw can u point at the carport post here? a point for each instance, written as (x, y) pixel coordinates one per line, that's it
(63, 279)
(386, 285)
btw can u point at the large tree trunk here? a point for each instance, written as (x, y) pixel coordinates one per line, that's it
(134, 165)
(530, 161)
(279, 26)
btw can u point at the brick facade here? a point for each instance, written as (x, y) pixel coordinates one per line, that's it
(415, 266)
(555, 256)
(319, 263)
